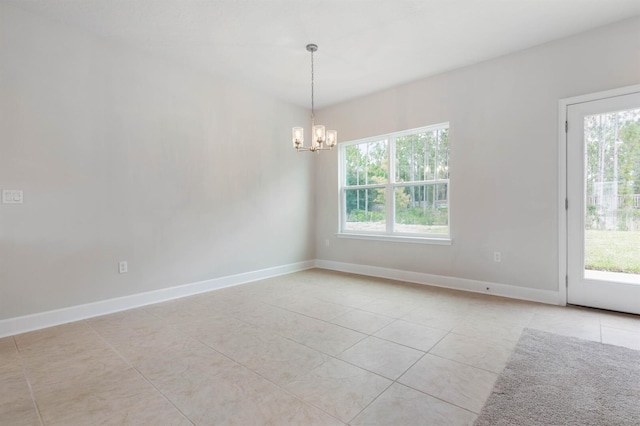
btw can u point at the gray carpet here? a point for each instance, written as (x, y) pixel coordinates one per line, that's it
(558, 380)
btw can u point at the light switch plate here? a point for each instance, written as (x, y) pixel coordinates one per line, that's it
(12, 196)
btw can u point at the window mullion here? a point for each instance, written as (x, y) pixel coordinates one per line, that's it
(371, 186)
(390, 192)
(342, 183)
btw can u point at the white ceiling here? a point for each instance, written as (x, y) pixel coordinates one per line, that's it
(364, 45)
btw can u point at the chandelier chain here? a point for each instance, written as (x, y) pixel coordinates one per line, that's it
(312, 81)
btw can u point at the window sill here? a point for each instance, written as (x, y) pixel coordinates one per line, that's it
(444, 241)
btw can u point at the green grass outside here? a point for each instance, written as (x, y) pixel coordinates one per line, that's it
(614, 251)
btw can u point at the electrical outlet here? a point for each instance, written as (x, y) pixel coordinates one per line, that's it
(123, 268)
(326, 242)
(496, 256)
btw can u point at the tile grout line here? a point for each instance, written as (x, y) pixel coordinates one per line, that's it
(396, 381)
(438, 398)
(24, 373)
(328, 356)
(197, 339)
(140, 373)
(329, 321)
(462, 363)
(418, 390)
(278, 333)
(371, 402)
(393, 381)
(335, 357)
(282, 388)
(411, 347)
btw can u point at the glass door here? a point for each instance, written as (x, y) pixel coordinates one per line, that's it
(603, 215)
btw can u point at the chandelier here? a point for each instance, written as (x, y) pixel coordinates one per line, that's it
(318, 135)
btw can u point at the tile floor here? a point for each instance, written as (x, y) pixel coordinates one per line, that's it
(311, 348)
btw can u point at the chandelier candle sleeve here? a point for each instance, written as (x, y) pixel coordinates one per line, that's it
(319, 136)
(318, 133)
(332, 138)
(298, 137)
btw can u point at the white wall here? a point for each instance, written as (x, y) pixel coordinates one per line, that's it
(504, 156)
(125, 156)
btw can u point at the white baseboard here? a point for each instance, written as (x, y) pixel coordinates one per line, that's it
(17, 325)
(510, 291)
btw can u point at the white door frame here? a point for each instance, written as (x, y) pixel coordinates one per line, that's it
(562, 176)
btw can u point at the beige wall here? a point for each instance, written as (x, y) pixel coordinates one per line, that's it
(504, 156)
(125, 156)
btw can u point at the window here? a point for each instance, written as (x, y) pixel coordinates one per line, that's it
(407, 197)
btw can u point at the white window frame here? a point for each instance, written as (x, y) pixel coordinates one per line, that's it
(389, 188)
